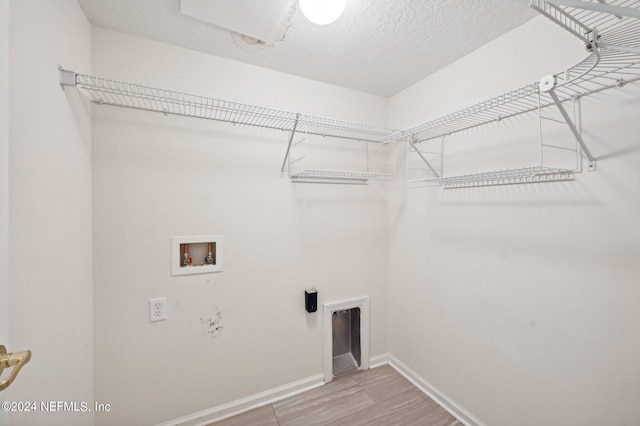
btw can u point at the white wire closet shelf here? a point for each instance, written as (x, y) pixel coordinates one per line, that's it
(319, 175)
(130, 95)
(610, 32)
(104, 91)
(528, 174)
(361, 162)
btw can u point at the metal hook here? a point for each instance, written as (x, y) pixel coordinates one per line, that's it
(15, 360)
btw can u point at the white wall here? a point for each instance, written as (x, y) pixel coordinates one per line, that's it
(521, 302)
(518, 302)
(156, 177)
(4, 181)
(49, 210)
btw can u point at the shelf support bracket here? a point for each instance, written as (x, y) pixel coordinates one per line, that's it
(67, 78)
(574, 130)
(626, 49)
(410, 142)
(605, 2)
(551, 10)
(599, 7)
(286, 155)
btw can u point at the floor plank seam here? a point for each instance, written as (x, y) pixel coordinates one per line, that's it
(273, 410)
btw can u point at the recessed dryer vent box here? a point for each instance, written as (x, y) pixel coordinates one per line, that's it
(196, 255)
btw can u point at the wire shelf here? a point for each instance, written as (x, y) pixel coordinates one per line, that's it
(610, 32)
(340, 174)
(365, 162)
(614, 60)
(117, 93)
(529, 174)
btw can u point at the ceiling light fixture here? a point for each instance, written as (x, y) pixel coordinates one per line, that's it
(322, 12)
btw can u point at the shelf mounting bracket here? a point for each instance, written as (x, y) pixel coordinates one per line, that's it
(617, 11)
(67, 78)
(411, 143)
(626, 49)
(547, 85)
(286, 155)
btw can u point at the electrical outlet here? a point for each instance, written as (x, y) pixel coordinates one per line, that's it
(157, 309)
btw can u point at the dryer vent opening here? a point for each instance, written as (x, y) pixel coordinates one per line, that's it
(346, 337)
(347, 353)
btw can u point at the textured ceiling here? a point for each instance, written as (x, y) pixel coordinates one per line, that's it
(377, 46)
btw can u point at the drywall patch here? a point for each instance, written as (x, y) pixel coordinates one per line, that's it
(212, 324)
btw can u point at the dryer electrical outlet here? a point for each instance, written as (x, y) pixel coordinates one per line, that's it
(157, 309)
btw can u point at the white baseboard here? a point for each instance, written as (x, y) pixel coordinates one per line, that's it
(249, 403)
(436, 394)
(270, 396)
(379, 360)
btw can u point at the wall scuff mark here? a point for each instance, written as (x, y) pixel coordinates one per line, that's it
(213, 325)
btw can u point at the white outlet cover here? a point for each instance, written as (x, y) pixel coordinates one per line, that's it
(157, 309)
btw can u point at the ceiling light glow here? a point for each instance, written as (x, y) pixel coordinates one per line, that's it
(322, 12)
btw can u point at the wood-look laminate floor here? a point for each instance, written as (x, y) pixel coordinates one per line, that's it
(377, 397)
